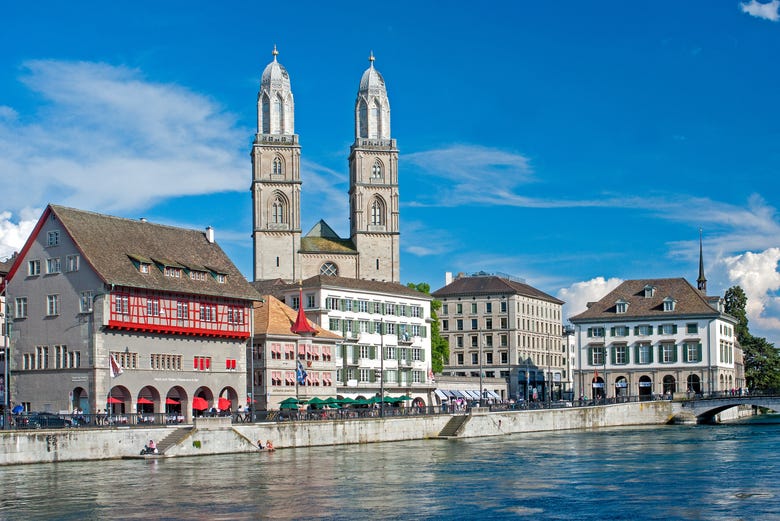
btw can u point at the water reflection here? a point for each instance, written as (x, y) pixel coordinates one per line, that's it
(683, 472)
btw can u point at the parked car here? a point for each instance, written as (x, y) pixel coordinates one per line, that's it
(41, 420)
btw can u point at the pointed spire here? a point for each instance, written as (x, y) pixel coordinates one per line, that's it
(701, 281)
(371, 58)
(275, 52)
(301, 325)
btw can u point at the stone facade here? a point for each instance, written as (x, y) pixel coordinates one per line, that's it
(280, 250)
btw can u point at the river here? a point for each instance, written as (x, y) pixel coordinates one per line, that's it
(674, 472)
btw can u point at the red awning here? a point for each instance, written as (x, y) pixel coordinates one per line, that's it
(111, 399)
(199, 404)
(224, 404)
(144, 401)
(171, 401)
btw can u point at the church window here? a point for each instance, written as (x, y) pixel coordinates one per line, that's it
(376, 170)
(278, 168)
(266, 115)
(363, 119)
(278, 210)
(278, 116)
(377, 212)
(329, 269)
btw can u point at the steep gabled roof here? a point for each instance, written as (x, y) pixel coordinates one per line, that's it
(322, 239)
(274, 317)
(688, 301)
(114, 247)
(376, 287)
(491, 285)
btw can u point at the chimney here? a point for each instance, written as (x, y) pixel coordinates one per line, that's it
(210, 234)
(447, 278)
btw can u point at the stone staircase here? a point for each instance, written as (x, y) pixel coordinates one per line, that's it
(452, 427)
(174, 438)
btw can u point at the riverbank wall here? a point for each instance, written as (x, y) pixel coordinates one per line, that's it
(211, 436)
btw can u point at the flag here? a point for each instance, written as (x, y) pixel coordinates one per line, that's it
(301, 374)
(430, 376)
(595, 375)
(116, 369)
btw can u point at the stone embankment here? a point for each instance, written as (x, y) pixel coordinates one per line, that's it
(210, 436)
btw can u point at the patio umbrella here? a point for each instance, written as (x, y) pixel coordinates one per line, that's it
(171, 401)
(144, 401)
(316, 401)
(18, 409)
(290, 401)
(403, 397)
(224, 404)
(199, 404)
(345, 401)
(113, 400)
(291, 406)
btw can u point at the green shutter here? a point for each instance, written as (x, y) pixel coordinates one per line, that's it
(612, 354)
(650, 330)
(636, 353)
(674, 358)
(590, 355)
(660, 352)
(685, 352)
(612, 331)
(698, 353)
(590, 332)
(424, 331)
(422, 355)
(651, 354)
(636, 330)
(674, 328)
(372, 352)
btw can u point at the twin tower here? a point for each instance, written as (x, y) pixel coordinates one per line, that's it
(280, 250)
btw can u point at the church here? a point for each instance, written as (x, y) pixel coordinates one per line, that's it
(281, 251)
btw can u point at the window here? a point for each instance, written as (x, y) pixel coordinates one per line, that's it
(692, 329)
(53, 238)
(182, 310)
(329, 269)
(221, 278)
(459, 341)
(445, 309)
(121, 305)
(474, 323)
(669, 304)
(460, 358)
(621, 306)
(278, 211)
(52, 305)
(170, 271)
(295, 303)
(643, 330)
(202, 363)
(445, 325)
(72, 263)
(208, 313)
(85, 301)
(460, 324)
(473, 307)
(143, 267)
(459, 309)
(334, 324)
(377, 212)
(42, 357)
(53, 265)
(597, 356)
(488, 323)
(235, 315)
(595, 331)
(667, 329)
(621, 354)
(33, 267)
(504, 323)
(504, 340)
(21, 307)
(309, 300)
(474, 358)
(376, 170)
(489, 358)
(619, 331)
(153, 307)
(198, 275)
(277, 166)
(489, 340)
(474, 340)
(669, 353)
(503, 307)
(644, 354)
(362, 306)
(691, 352)
(365, 351)
(649, 291)
(488, 307)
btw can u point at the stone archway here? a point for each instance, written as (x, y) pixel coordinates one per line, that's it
(645, 388)
(669, 385)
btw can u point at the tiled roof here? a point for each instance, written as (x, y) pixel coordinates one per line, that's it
(689, 301)
(273, 317)
(109, 244)
(322, 239)
(491, 285)
(278, 288)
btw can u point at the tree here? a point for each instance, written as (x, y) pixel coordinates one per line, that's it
(440, 349)
(761, 359)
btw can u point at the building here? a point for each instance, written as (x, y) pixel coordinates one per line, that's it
(5, 267)
(649, 337)
(280, 250)
(372, 317)
(500, 327)
(290, 364)
(126, 315)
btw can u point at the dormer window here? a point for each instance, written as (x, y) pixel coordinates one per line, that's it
(649, 291)
(219, 276)
(198, 275)
(143, 267)
(621, 306)
(669, 304)
(171, 271)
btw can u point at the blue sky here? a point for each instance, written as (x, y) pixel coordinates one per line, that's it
(573, 144)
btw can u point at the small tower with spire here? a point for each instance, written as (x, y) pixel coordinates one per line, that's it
(701, 282)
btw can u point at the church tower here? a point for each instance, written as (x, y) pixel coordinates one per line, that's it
(373, 183)
(276, 179)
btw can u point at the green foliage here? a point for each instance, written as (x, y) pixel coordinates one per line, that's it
(761, 359)
(440, 349)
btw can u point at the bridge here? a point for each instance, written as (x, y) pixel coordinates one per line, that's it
(705, 408)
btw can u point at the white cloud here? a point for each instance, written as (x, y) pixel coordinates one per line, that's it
(13, 234)
(107, 139)
(757, 275)
(767, 11)
(579, 294)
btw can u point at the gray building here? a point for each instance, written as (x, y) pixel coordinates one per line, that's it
(500, 327)
(126, 315)
(372, 250)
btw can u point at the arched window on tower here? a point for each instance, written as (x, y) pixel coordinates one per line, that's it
(363, 119)
(374, 130)
(377, 212)
(278, 210)
(376, 170)
(278, 166)
(266, 103)
(278, 115)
